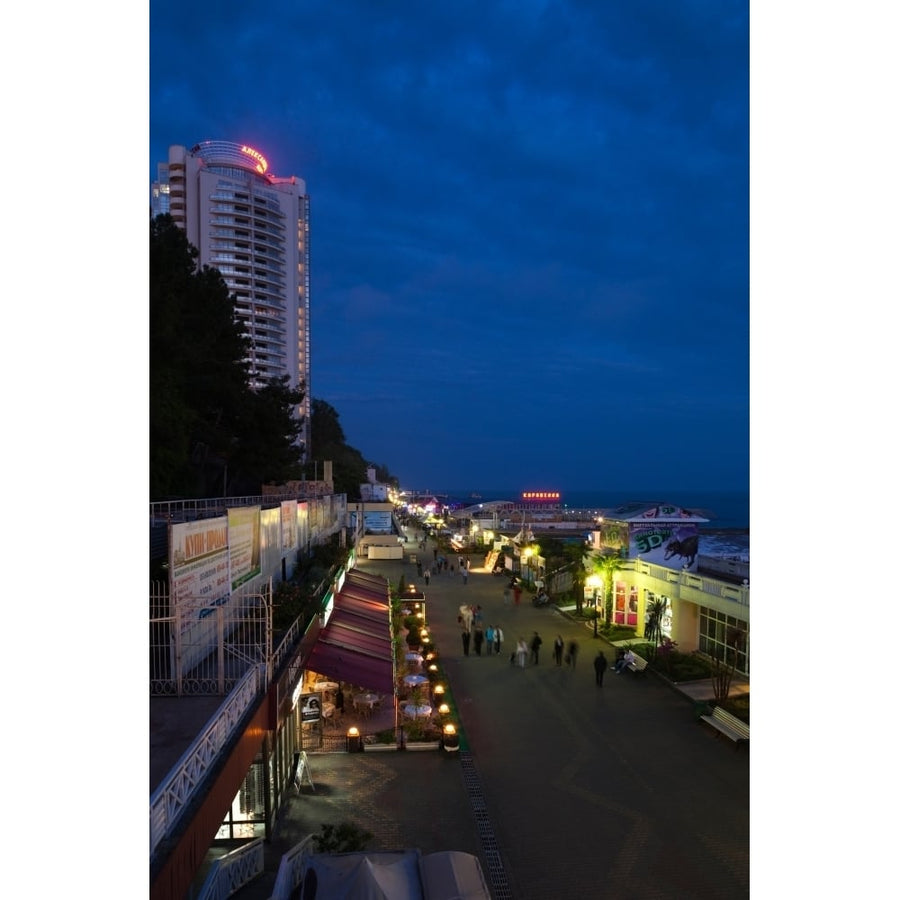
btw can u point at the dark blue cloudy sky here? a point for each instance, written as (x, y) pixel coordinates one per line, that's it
(530, 231)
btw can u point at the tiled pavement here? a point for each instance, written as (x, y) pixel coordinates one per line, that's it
(578, 791)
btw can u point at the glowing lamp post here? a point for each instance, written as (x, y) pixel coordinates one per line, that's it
(450, 739)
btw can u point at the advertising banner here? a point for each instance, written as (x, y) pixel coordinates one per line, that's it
(288, 524)
(614, 535)
(198, 566)
(374, 522)
(303, 525)
(665, 544)
(310, 707)
(243, 544)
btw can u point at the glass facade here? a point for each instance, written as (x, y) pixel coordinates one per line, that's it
(718, 633)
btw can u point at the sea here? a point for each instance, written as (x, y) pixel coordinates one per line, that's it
(727, 534)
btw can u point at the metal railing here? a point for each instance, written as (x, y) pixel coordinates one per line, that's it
(232, 871)
(290, 869)
(189, 510)
(173, 796)
(739, 594)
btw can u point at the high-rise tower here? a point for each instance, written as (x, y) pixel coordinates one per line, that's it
(254, 228)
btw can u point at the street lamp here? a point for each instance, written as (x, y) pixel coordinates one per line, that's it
(594, 582)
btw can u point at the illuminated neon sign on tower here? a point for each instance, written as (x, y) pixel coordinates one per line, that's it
(261, 162)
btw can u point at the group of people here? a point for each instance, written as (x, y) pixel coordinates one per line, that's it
(439, 565)
(475, 635)
(478, 637)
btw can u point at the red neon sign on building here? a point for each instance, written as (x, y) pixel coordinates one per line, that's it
(541, 496)
(261, 162)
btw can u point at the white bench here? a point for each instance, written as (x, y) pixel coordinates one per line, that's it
(637, 665)
(725, 723)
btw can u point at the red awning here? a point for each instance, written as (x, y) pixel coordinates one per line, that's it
(355, 646)
(351, 667)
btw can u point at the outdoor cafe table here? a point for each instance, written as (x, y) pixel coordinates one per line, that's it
(368, 700)
(414, 658)
(414, 680)
(326, 686)
(417, 712)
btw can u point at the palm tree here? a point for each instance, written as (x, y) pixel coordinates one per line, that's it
(606, 566)
(575, 554)
(656, 610)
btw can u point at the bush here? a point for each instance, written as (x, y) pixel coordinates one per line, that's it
(343, 838)
(739, 707)
(683, 666)
(616, 632)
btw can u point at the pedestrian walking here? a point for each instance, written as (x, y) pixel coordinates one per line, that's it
(558, 645)
(489, 639)
(521, 653)
(466, 638)
(465, 575)
(427, 577)
(599, 667)
(478, 639)
(572, 654)
(517, 593)
(536, 648)
(498, 639)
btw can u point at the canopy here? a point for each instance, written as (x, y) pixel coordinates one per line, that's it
(355, 646)
(394, 875)
(365, 876)
(453, 875)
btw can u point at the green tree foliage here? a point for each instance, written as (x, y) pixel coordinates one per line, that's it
(349, 467)
(266, 447)
(554, 552)
(607, 565)
(575, 554)
(209, 432)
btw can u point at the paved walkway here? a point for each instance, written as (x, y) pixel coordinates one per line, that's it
(569, 790)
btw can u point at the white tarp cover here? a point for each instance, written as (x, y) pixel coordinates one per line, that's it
(453, 875)
(367, 876)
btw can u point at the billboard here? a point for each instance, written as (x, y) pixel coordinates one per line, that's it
(288, 524)
(665, 544)
(243, 544)
(198, 566)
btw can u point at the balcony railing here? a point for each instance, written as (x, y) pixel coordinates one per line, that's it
(172, 797)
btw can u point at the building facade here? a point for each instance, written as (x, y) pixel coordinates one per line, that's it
(254, 228)
(705, 600)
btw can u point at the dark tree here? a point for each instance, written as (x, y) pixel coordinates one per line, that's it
(208, 430)
(266, 449)
(328, 443)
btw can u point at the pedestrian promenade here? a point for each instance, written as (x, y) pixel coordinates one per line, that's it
(568, 789)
